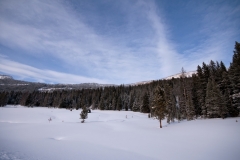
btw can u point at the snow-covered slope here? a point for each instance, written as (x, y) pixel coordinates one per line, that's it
(140, 83)
(187, 74)
(5, 77)
(7, 83)
(26, 134)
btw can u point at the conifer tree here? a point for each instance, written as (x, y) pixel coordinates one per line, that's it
(84, 114)
(136, 105)
(170, 103)
(131, 101)
(145, 104)
(215, 101)
(101, 105)
(234, 76)
(159, 105)
(209, 109)
(189, 106)
(114, 102)
(119, 103)
(182, 99)
(195, 98)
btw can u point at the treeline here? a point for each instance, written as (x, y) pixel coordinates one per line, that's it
(213, 92)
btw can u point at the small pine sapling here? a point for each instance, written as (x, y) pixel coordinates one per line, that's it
(84, 114)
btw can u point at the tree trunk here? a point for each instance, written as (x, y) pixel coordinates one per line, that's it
(160, 123)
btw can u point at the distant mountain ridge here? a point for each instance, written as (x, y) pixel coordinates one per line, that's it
(7, 83)
(178, 75)
(186, 74)
(5, 77)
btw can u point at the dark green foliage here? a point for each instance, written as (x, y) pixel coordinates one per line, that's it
(215, 101)
(145, 104)
(119, 104)
(4, 96)
(234, 77)
(101, 105)
(84, 114)
(159, 105)
(170, 103)
(195, 96)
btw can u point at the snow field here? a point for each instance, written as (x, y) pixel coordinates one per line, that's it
(26, 133)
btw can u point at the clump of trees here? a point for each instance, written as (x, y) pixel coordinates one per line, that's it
(213, 92)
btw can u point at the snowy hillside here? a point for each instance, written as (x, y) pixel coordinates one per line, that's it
(7, 83)
(26, 134)
(187, 74)
(5, 77)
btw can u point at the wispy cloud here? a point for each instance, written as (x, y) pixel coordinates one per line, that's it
(218, 31)
(140, 48)
(22, 71)
(72, 41)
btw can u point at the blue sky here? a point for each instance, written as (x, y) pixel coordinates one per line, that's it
(117, 42)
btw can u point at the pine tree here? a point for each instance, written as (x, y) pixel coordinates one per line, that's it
(190, 112)
(183, 99)
(219, 102)
(101, 105)
(195, 98)
(215, 101)
(131, 101)
(204, 75)
(84, 114)
(145, 104)
(234, 76)
(136, 105)
(4, 96)
(114, 102)
(159, 106)
(119, 103)
(170, 103)
(208, 110)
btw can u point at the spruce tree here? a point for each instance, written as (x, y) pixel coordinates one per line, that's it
(101, 105)
(215, 101)
(159, 106)
(145, 104)
(234, 76)
(219, 104)
(170, 103)
(119, 103)
(195, 98)
(208, 110)
(84, 114)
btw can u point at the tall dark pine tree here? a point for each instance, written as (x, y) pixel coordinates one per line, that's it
(145, 104)
(208, 110)
(101, 105)
(195, 98)
(3, 98)
(170, 103)
(119, 103)
(215, 101)
(159, 106)
(204, 76)
(234, 76)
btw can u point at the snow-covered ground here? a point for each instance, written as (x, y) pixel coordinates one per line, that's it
(26, 134)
